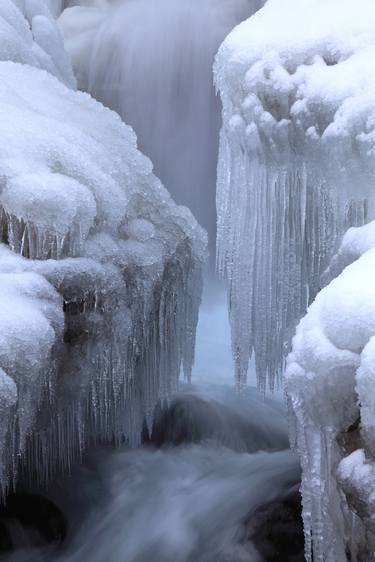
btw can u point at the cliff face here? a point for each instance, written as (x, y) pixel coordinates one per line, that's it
(100, 272)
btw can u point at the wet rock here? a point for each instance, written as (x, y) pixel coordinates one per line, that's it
(193, 419)
(30, 520)
(276, 530)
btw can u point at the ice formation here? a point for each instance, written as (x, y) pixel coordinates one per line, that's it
(100, 272)
(29, 35)
(330, 380)
(296, 163)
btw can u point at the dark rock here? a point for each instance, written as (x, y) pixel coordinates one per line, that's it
(276, 530)
(192, 419)
(28, 520)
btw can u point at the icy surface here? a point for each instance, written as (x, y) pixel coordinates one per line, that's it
(296, 162)
(100, 272)
(330, 379)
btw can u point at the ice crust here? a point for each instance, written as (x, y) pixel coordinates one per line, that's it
(329, 380)
(100, 272)
(296, 164)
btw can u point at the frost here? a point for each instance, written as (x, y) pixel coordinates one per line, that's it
(296, 163)
(330, 380)
(100, 271)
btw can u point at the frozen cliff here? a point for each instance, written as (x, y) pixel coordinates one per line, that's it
(100, 272)
(330, 382)
(296, 165)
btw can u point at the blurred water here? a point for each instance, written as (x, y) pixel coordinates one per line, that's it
(186, 503)
(151, 61)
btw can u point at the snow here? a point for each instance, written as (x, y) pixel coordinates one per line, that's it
(296, 162)
(100, 271)
(357, 476)
(29, 35)
(330, 383)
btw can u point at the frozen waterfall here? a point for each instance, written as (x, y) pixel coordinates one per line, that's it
(295, 165)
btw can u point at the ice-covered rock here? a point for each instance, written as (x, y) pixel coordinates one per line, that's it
(330, 383)
(100, 271)
(296, 164)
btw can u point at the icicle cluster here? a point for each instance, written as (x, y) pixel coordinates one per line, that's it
(330, 383)
(100, 272)
(295, 164)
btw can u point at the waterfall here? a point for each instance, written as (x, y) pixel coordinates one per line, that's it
(151, 61)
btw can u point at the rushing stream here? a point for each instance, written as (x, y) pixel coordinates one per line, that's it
(196, 492)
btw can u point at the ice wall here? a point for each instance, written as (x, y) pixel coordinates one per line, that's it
(296, 164)
(330, 379)
(100, 272)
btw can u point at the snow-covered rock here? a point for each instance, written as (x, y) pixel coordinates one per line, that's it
(296, 164)
(330, 383)
(100, 271)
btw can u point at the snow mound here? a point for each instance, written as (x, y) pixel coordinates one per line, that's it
(296, 165)
(330, 379)
(29, 35)
(100, 272)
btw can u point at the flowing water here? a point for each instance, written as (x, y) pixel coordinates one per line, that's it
(192, 493)
(151, 61)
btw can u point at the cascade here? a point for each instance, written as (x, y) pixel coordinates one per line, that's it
(151, 61)
(295, 166)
